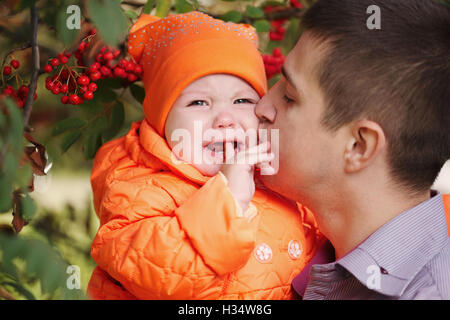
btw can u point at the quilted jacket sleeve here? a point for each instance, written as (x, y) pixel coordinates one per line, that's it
(157, 250)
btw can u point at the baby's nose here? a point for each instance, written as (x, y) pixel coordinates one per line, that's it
(224, 120)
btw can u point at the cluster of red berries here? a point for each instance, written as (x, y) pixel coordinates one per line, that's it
(278, 31)
(77, 87)
(7, 69)
(273, 62)
(295, 4)
(20, 95)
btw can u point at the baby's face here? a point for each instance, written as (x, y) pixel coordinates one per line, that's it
(210, 111)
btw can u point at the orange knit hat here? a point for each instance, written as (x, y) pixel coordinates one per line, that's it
(179, 49)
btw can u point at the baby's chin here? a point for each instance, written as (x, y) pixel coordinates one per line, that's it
(208, 170)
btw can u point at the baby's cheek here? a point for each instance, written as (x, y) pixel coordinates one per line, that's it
(249, 120)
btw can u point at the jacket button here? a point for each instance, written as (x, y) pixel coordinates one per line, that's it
(295, 249)
(263, 253)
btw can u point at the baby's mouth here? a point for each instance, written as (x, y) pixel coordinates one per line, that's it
(218, 148)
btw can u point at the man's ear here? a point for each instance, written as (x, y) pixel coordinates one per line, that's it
(366, 141)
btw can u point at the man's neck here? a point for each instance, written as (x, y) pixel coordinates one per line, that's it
(352, 221)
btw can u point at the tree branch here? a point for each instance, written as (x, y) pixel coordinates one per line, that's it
(36, 67)
(5, 294)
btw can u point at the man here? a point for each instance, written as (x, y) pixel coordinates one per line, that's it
(364, 128)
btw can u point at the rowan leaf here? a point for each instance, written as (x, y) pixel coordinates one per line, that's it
(109, 19)
(69, 139)
(116, 121)
(67, 124)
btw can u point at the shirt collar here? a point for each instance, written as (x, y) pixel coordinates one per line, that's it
(400, 248)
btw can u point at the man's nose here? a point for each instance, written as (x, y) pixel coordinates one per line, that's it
(224, 120)
(265, 110)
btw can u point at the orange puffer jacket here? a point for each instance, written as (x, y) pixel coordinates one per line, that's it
(168, 232)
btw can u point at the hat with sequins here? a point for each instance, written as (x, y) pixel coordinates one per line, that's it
(181, 48)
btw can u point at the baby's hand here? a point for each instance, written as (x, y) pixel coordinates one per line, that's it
(239, 168)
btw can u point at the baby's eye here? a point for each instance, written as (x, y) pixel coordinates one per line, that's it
(197, 103)
(238, 101)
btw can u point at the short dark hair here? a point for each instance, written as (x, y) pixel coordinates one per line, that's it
(398, 76)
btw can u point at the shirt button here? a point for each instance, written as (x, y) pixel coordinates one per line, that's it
(263, 253)
(295, 249)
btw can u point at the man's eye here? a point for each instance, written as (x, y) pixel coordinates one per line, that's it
(239, 101)
(197, 103)
(287, 99)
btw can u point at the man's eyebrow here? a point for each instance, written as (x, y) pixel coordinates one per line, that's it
(288, 78)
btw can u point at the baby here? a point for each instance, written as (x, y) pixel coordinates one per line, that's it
(182, 218)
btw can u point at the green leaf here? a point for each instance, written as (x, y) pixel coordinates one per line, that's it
(69, 139)
(262, 26)
(63, 20)
(254, 12)
(93, 137)
(28, 207)
(113, 83)
(15, 130)
(109, 20)
(148, 6)
(115, 122)
(23, 175)
(6, 190)
(105, 94)
(91, 107)
(292, 34)
(67, 124)
(233, 16)
(182, 6)
(162, 8)
(137, 92)
(131, 14)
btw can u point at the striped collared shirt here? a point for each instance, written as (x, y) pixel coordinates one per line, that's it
(407, 258)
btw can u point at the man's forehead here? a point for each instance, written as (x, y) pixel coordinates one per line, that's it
(304, 59)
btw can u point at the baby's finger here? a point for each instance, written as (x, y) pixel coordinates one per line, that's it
(260, 148)
(266, 170)
(228, 152)
(259, 158)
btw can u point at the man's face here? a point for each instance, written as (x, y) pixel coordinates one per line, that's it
(310, 157)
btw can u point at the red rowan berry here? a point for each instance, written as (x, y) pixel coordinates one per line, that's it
(83, 80)
(54, 62)
(63, 59)
(92, 87)
(88, 95)
(15, 64)
(132, 77)
(48, 68)
(64, 99)
(96, 75)
(6, 70)
(105, 71)
(74, 99)
(108, 56)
